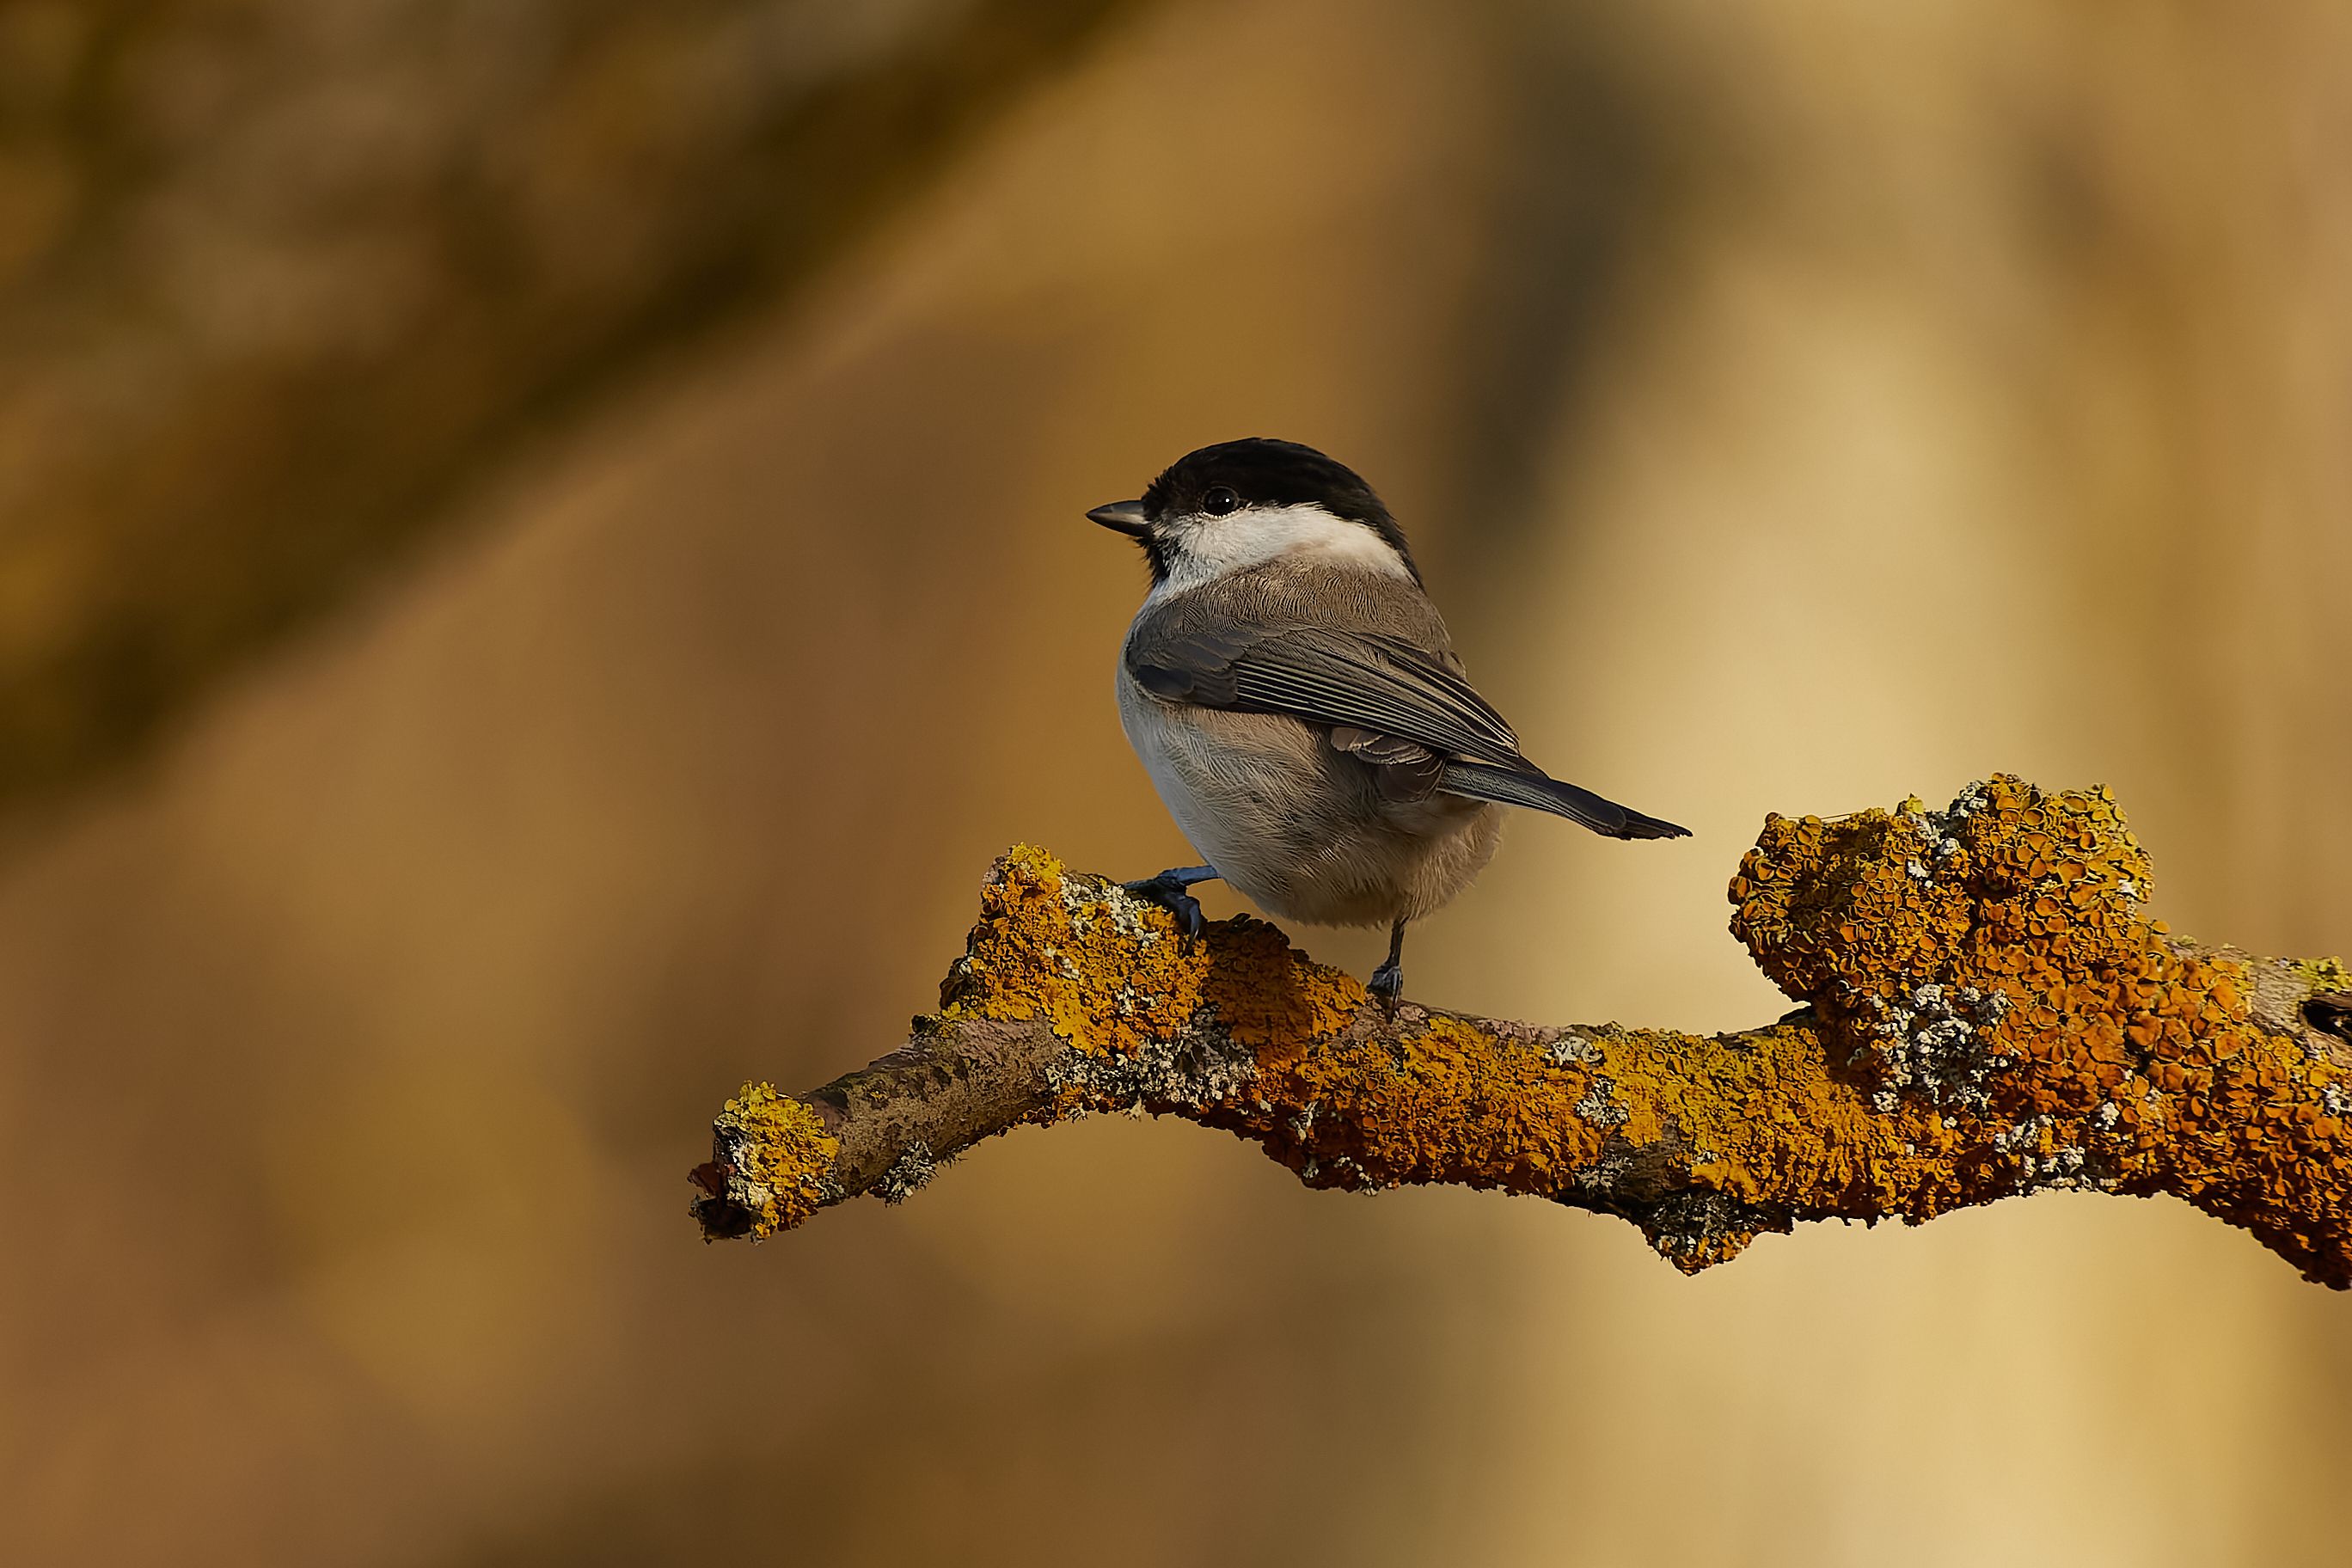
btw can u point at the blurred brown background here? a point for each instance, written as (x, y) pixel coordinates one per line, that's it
(540, 557)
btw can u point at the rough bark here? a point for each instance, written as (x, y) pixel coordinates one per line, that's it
(277, 279)
(1986, 1013)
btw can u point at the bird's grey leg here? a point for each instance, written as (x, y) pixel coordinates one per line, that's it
(1387, 983)
(1168, 890)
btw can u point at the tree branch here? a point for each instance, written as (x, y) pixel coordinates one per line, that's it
(1986, 1014)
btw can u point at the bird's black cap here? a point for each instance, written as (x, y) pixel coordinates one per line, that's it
(1265, 472)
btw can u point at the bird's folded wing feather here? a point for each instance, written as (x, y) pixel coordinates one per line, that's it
(1364, 679)
(1397, 703)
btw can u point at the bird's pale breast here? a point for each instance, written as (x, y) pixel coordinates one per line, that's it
(1297, 825)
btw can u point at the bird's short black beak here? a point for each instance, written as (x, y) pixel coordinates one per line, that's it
(1127, 516)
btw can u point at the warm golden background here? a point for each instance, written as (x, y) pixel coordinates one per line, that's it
(540, 557)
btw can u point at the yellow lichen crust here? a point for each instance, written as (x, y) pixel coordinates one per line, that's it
(1571, 1115)
(1111, 974)
(2323, 973)
(1993, 989)
(1245, 1033)
(1986, 1013)
(773, 1153)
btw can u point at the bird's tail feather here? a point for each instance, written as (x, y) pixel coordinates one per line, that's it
(1507, 786)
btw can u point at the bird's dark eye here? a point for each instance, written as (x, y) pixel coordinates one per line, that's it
(1220, 501)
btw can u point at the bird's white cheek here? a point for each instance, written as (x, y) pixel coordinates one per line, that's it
(1206, 548)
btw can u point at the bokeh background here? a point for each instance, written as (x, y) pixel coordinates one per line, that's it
(540, 557)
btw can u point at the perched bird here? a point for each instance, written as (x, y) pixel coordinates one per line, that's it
(1293, 695)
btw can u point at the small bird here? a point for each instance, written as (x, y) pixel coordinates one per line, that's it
(1298, 705)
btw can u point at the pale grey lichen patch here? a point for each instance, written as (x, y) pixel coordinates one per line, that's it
(1354, 1177)
(1085, 896)
(1599, 1105)
(1572, 1048)
(1938, 1041)
(2022, 1135)
(1199, 1069)
(1947, 823)
(1603, 1176)
(1691, 1223)
(2064, 1165)
(914, 1165)
(2338, 1101)
(1942, 830)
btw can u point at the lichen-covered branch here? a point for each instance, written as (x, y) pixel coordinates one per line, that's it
(1987, 1014)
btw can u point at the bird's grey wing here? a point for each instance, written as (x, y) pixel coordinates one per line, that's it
(1359, 679)
(1404, 708)
(1402, 769)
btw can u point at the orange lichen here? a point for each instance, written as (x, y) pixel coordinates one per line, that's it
(1987, 1012)
(1110, 973)
(1758, 1118)
(1990, 1014)
(2095, 1051)
(1448, 1100)
(776, 1153)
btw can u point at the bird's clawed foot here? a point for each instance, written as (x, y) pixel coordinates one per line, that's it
(1387, 983)
(1169, 891)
